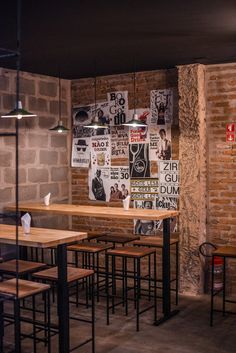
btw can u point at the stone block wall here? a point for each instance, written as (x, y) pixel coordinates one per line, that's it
(43, 155)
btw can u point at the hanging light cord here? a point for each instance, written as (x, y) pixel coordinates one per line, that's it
(18, 63)
(95, 88)
(134, 86)
(59, 103)
(134, 92)
(95, 93)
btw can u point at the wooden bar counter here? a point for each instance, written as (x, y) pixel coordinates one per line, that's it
(95, 211)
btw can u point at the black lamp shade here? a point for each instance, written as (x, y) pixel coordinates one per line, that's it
(18, 113)
(96, 124)
(59, 128)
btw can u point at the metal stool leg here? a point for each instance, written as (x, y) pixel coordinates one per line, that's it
(98, 275)
(1, 326)
(224, 284)
(149, 277)
(138, 294)
(155, 284)
(17, 325)
(177, 274)
(113, 271)
(48, 321)
(126, 286)
(212, 291)
(34, 326)
(107, 284)
(93, 316)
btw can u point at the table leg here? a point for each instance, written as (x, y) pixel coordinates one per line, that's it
(166, 293)
(63, 299)
(1, 325)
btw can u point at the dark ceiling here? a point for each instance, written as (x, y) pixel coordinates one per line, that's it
(74, 34)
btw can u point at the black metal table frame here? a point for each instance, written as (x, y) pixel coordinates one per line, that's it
(63, 295)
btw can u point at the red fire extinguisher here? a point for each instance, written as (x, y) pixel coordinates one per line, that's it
(218, 273)
(206, 250)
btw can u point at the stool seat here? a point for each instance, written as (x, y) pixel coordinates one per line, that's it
(116, 238)
(225, 251)
(9, 267)
(89, 247)
(95, 234)
(25, 289)
(153, 241)
(73, 274)
(130, 252)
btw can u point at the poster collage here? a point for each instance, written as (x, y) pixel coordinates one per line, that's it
(100, 150)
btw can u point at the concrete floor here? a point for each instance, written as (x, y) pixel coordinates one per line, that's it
(188, 332)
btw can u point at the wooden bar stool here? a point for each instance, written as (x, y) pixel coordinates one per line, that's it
(91, 253)
(26, 289)
(117, 239)
(74, 275)
(53, 254)
(24, 267)
(224, 252)
(157, 243)
(136, 254)
(92, 235)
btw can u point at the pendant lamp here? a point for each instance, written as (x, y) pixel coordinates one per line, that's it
(96, 123)
(18, 112)
(135, 121)
(59, 127)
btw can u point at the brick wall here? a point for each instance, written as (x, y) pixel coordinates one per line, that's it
(221, 109)
(82, 94)
(43, 155)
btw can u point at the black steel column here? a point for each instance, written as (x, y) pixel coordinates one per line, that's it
(63, 299)
(166, 293)
(166, 267)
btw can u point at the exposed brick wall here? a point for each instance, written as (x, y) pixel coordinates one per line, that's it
(43, 155)
(221, 109)
(82, 94)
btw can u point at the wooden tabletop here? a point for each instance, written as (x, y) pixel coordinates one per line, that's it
(39, 237)
(95, 211)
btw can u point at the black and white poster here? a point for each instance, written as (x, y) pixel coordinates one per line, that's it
(160, 143)
(98, 180)
(80, 156)
(167, 203)
(168, 178)
(109, 183)
(145, 227)
(139, 160)
(144, 189)
(118, 107)
(119, 142)
(161, 105)
(119, 187)
(84, 115)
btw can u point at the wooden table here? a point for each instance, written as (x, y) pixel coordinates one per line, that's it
(119, 212)
(95, 211)
(45, 238)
